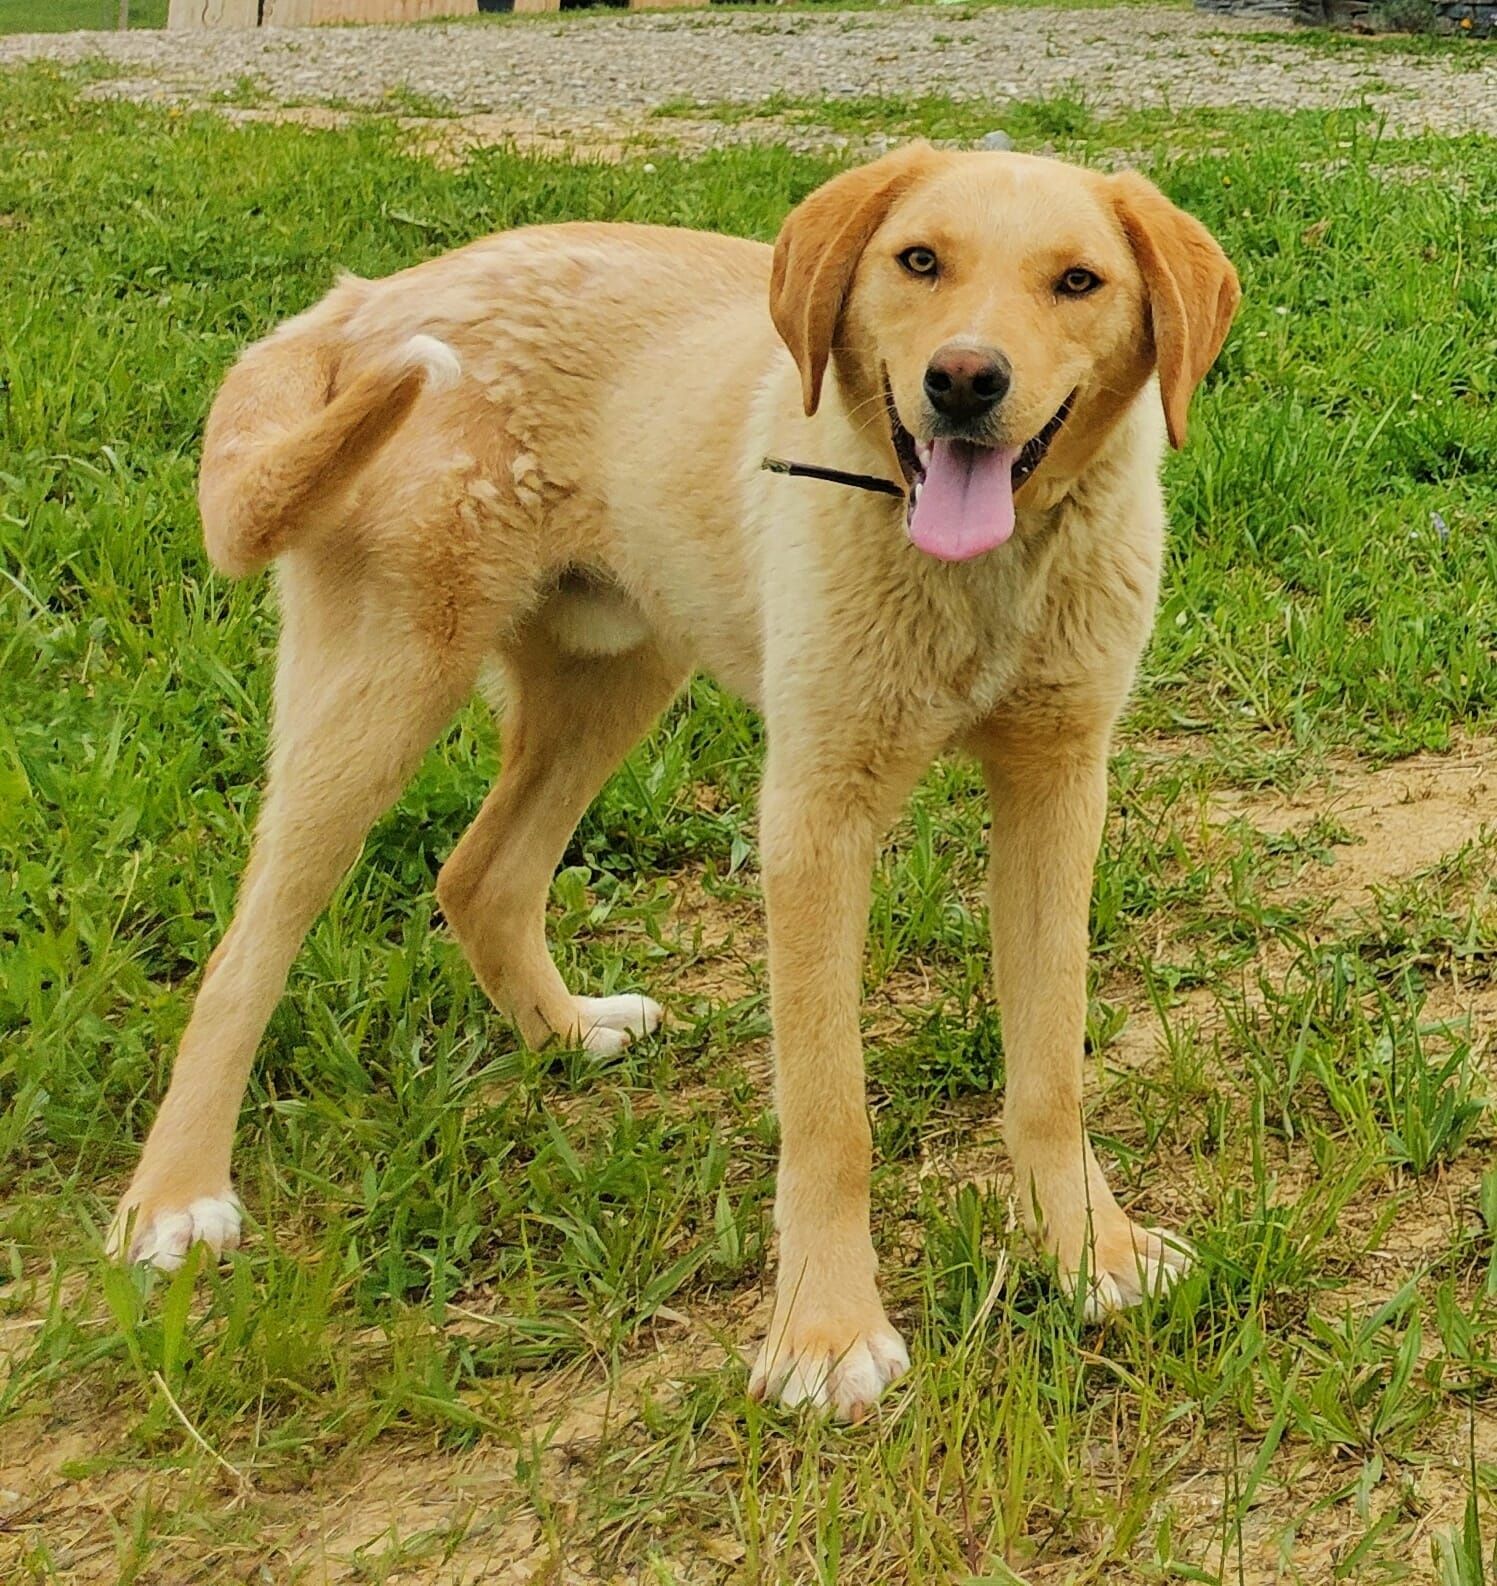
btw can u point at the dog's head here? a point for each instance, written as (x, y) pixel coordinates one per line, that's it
(998, 313)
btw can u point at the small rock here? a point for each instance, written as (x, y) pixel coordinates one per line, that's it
(996, 139)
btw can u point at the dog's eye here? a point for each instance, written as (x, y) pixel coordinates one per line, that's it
(1077, 282)
(918, 261)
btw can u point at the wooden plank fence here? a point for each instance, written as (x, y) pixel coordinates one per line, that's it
(308, 13)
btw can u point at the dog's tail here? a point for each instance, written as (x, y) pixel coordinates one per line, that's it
(283, 442)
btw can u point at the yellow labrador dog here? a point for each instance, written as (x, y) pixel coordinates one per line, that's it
(546, 449)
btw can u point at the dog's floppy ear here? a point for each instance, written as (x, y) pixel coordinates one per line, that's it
(818, 250)
(1192, 287)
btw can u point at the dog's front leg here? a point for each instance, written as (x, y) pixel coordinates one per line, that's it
(829, 1342)
(1048, 787)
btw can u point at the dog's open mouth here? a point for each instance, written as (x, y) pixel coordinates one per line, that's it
(961, 495)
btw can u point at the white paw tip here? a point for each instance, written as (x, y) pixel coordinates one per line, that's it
(632, 1013)
(1104, 1297)
(436, 358)
(848, 1385)
(1155, 1272)
(604, 1041)
(164, 1241)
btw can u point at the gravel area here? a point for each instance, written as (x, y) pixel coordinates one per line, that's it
(597, 72)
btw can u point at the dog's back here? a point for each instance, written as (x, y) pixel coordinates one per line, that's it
(549, 322)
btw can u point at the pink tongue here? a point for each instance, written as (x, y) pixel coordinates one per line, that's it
(966, 503)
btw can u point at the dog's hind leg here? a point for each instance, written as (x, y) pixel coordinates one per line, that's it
(569, 721)
(359, 698)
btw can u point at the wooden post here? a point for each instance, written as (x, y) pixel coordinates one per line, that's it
(124, 20)
(213, 14)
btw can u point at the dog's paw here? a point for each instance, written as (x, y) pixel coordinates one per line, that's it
(162, 1235)
(606, 1025)
(1126, 1264)
(836, 1364)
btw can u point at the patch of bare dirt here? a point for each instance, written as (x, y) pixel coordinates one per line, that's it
(398, 1512)
(1402, 819)
(725, 937)
(448, 140)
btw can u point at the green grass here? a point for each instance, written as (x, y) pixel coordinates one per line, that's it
(483, 1308)
(66, 16)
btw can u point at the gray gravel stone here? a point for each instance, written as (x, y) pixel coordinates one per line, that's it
(616, 69)
(995, 140)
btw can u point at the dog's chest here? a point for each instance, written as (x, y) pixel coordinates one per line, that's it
(983, 628)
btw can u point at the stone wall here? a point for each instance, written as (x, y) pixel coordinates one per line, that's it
(1458, 16)
(1278, 9)
(1478, 17)
(1275, 8)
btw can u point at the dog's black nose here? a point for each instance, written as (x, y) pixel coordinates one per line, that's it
(964, 383)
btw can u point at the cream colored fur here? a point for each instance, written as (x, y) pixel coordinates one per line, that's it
(543, 451)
